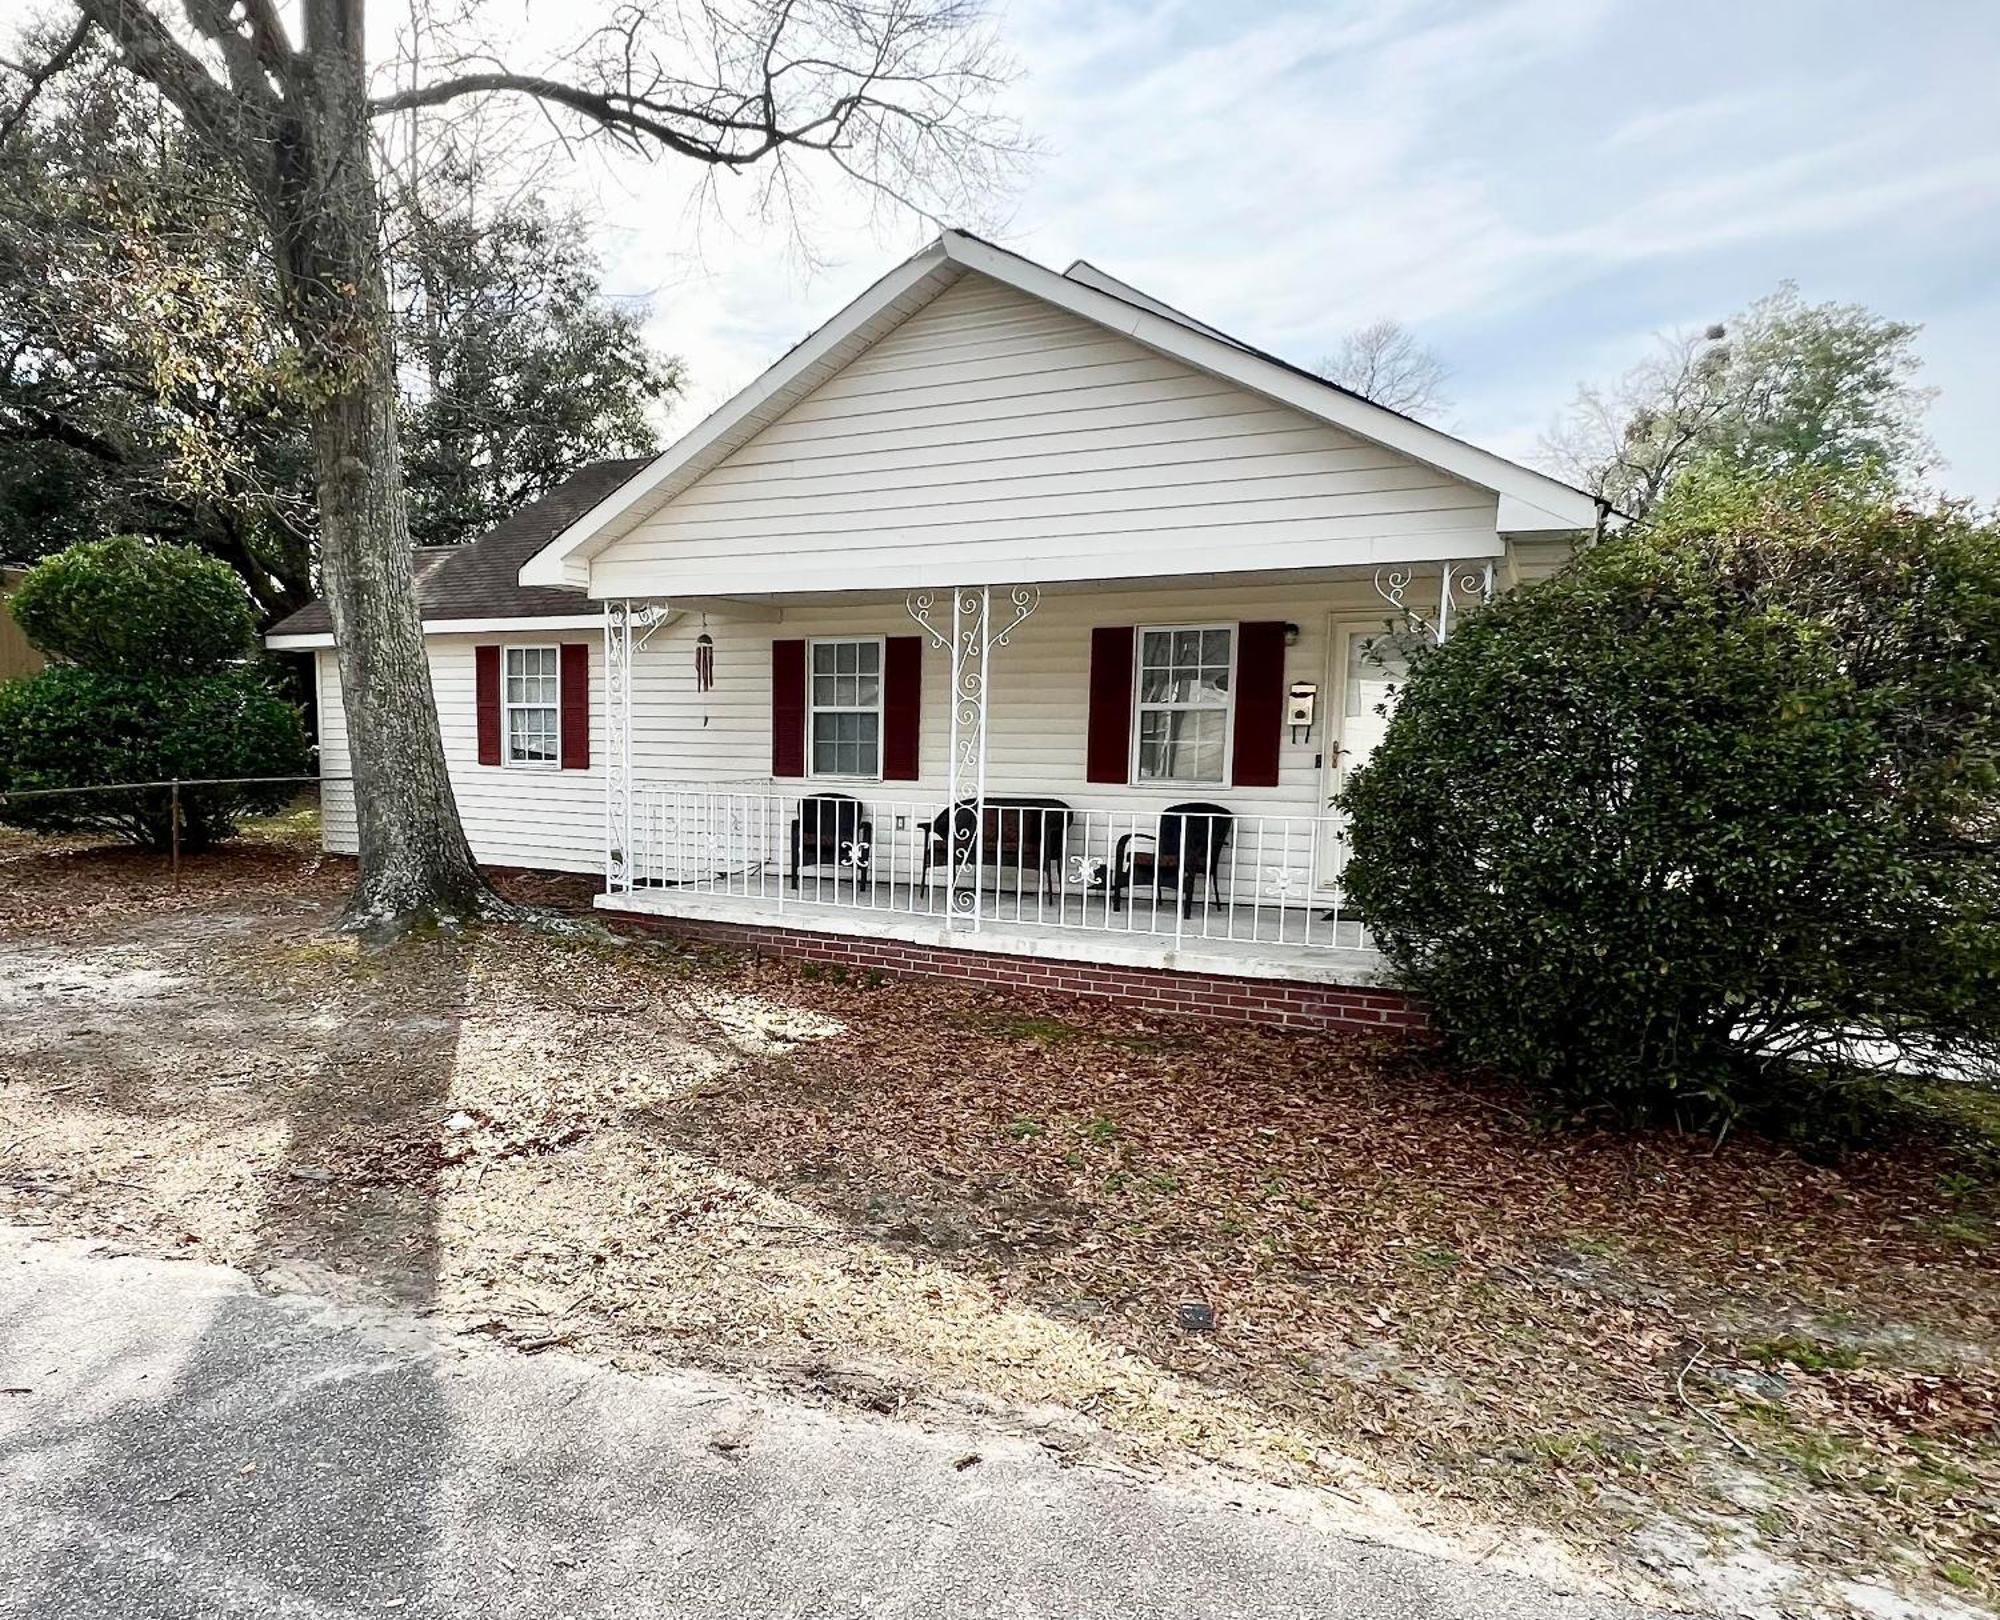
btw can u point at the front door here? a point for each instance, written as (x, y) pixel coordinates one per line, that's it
(1365, 674)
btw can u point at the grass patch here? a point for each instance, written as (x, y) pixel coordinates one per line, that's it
(1806, 1354)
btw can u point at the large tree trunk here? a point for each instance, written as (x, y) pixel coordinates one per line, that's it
(415, 861)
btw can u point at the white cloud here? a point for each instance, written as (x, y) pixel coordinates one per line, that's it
(1529, 184)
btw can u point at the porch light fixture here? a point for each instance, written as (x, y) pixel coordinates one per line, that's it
(1291, 634)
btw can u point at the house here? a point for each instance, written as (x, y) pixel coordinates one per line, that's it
(17, 653)
(1012, 626)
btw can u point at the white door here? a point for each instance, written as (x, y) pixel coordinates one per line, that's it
(1366, 672)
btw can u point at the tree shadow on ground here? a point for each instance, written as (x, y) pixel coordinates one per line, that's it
(228, 1490)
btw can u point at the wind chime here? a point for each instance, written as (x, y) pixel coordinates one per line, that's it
(704, 664)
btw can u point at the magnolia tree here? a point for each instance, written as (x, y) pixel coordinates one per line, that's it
(893, 97)
(1716, 806)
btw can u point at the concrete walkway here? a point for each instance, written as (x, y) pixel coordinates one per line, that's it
(187, 1446)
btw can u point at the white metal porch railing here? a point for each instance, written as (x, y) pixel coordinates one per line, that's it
(1189, 877)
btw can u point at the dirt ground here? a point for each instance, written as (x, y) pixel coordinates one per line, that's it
(1724, 1375)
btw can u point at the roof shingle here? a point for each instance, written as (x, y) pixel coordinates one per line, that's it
(479, 581)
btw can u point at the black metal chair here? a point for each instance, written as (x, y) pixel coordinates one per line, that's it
(832, 829)
(1192, 841)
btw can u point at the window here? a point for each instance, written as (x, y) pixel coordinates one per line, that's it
(530, 715)
(1184, 676)
(846, 708)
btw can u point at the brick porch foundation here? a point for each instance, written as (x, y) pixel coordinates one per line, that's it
(1158, 990)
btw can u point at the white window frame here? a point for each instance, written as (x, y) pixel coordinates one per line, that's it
(1139, 706)
(879, 708)
(507, 708)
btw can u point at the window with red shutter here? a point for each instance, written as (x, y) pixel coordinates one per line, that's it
(1260, 703)
(788, 708)
(902, 707)
(575, 689)
(486, 702)
(1108, 745)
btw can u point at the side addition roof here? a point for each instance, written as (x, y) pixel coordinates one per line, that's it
(475, 584)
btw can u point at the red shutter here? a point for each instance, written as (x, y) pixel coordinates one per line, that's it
(575, 687)
(1109, 752)
(788, 708)
(486, 702)
(902, 706)
(1260, 703)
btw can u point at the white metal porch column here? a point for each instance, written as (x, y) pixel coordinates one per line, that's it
(628, 626)
(1459, 585)
(970, 642)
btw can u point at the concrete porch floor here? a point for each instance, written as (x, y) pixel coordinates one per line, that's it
(1295, 943)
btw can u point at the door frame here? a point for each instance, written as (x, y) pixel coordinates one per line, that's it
(1341, 627)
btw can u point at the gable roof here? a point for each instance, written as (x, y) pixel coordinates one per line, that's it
(1529, 502)
(480, 581)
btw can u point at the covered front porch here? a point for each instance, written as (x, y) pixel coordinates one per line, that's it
(955, 787)
(1231, 896)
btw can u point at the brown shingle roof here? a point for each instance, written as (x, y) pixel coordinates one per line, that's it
(479, 581)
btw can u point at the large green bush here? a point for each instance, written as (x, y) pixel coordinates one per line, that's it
(151, 684)
(128, 606)
(70, 727)
(1718, 805)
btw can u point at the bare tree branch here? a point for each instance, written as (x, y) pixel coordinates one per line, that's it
(38, 74)
(1384, 362)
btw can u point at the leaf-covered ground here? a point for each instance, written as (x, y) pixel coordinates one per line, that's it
(1750, 1381)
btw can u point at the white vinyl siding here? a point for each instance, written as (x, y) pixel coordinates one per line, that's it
(1038, 717)
(553, 819)
(991, 437)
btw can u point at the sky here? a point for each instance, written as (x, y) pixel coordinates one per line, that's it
(1535, 187)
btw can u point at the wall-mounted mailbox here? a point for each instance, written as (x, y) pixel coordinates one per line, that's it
(1299, 708)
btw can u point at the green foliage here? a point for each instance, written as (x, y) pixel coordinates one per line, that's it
(69, 727)
(1780, 389)
(1656, 833)
(124, 606)
(517, 367)
(148, 383)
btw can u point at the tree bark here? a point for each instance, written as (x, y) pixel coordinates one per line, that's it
(415, 860)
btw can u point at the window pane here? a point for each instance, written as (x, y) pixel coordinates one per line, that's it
(1155, 686)
(823, 758)
(1155, 648)
(1187, 646)
(532, 735)
(868, 690)
(844, 654)
(1376, 667)
(822, 658)
(1215, 647)
(871, 657)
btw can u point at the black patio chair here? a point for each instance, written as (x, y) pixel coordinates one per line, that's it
(832, 829)
(1191, 843)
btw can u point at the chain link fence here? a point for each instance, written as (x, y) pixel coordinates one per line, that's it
(168, 801)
